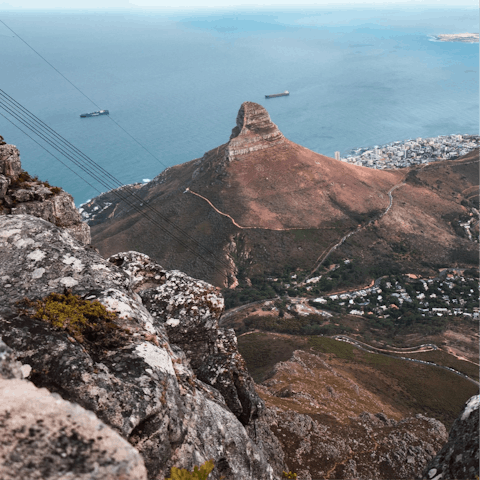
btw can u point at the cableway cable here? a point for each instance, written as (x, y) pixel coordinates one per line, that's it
(118, 193)
(105, 183)
(86, 96)
(48, 151)
(72, 153)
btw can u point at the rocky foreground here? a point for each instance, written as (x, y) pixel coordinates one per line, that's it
(159, 384)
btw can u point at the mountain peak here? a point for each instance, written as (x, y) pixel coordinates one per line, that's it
(254, 131)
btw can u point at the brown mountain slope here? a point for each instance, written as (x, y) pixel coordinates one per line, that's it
(250, 206)
(423, 229)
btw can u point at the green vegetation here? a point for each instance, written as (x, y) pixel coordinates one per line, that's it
(443, 358)
(273, 349)
(330, 346)
(411, 387)
(289, 475)
(82, 319)
(298, 325)
(199, 473)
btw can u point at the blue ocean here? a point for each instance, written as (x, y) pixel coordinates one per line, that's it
(175, 81)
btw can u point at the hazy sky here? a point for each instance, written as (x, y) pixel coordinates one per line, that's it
(87, 4)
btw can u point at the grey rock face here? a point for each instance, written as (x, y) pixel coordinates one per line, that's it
(254, 131)
(459, 458)
(32, 197)
(4, 183)
(139, 385)
(58, 209)
(189, 310)
(9, 367)
(43, 436)
(10, 165)
(367, 447)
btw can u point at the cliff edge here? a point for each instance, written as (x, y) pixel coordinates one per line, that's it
(21, 194)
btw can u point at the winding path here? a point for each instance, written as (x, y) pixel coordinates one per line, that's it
(187, 190)
(326, 253)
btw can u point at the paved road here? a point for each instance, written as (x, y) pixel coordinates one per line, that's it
(368, 348)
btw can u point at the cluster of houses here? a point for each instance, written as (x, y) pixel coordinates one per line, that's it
(435, 297)
(413, 152)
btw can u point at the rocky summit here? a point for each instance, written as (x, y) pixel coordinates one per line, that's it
(254, 131)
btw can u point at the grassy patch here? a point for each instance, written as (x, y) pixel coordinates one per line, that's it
(443, 358)
(262, 351)
(329, 345)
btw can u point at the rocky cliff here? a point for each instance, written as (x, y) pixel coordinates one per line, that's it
(44, 436)
(459, 458)
(132, 377)
(22, 194)
(254, 131)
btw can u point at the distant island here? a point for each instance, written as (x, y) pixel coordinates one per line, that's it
(457, 37)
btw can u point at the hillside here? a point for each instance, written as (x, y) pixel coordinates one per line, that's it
(260, 202)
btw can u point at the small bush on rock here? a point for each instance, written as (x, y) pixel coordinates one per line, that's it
(82, 319)
(199, 473)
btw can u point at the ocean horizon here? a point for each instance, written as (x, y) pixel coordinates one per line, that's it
(175, 80)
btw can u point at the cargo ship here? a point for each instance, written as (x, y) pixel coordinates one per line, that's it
(95, 114)
(284, 94)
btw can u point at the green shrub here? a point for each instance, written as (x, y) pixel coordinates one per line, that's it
(83, 319)
(199, 473)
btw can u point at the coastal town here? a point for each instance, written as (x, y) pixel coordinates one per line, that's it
(402, 154)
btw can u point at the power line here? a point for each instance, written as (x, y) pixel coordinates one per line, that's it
(117, 192)
(48, 151)
(115, 183)
(94, 170)
(85, 95)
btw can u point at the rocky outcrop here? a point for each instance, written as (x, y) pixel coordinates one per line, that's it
(189, 310)
(20, 194)
(136, 382)
(329, 426)
(368, 446)
(254, 131)
(44, 436)
(459, 458)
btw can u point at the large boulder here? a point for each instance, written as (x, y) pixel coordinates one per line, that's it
(459, 458)
(44, 436)
(190, 309)
(135, 381)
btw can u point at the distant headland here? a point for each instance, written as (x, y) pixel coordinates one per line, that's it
(457, 37)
